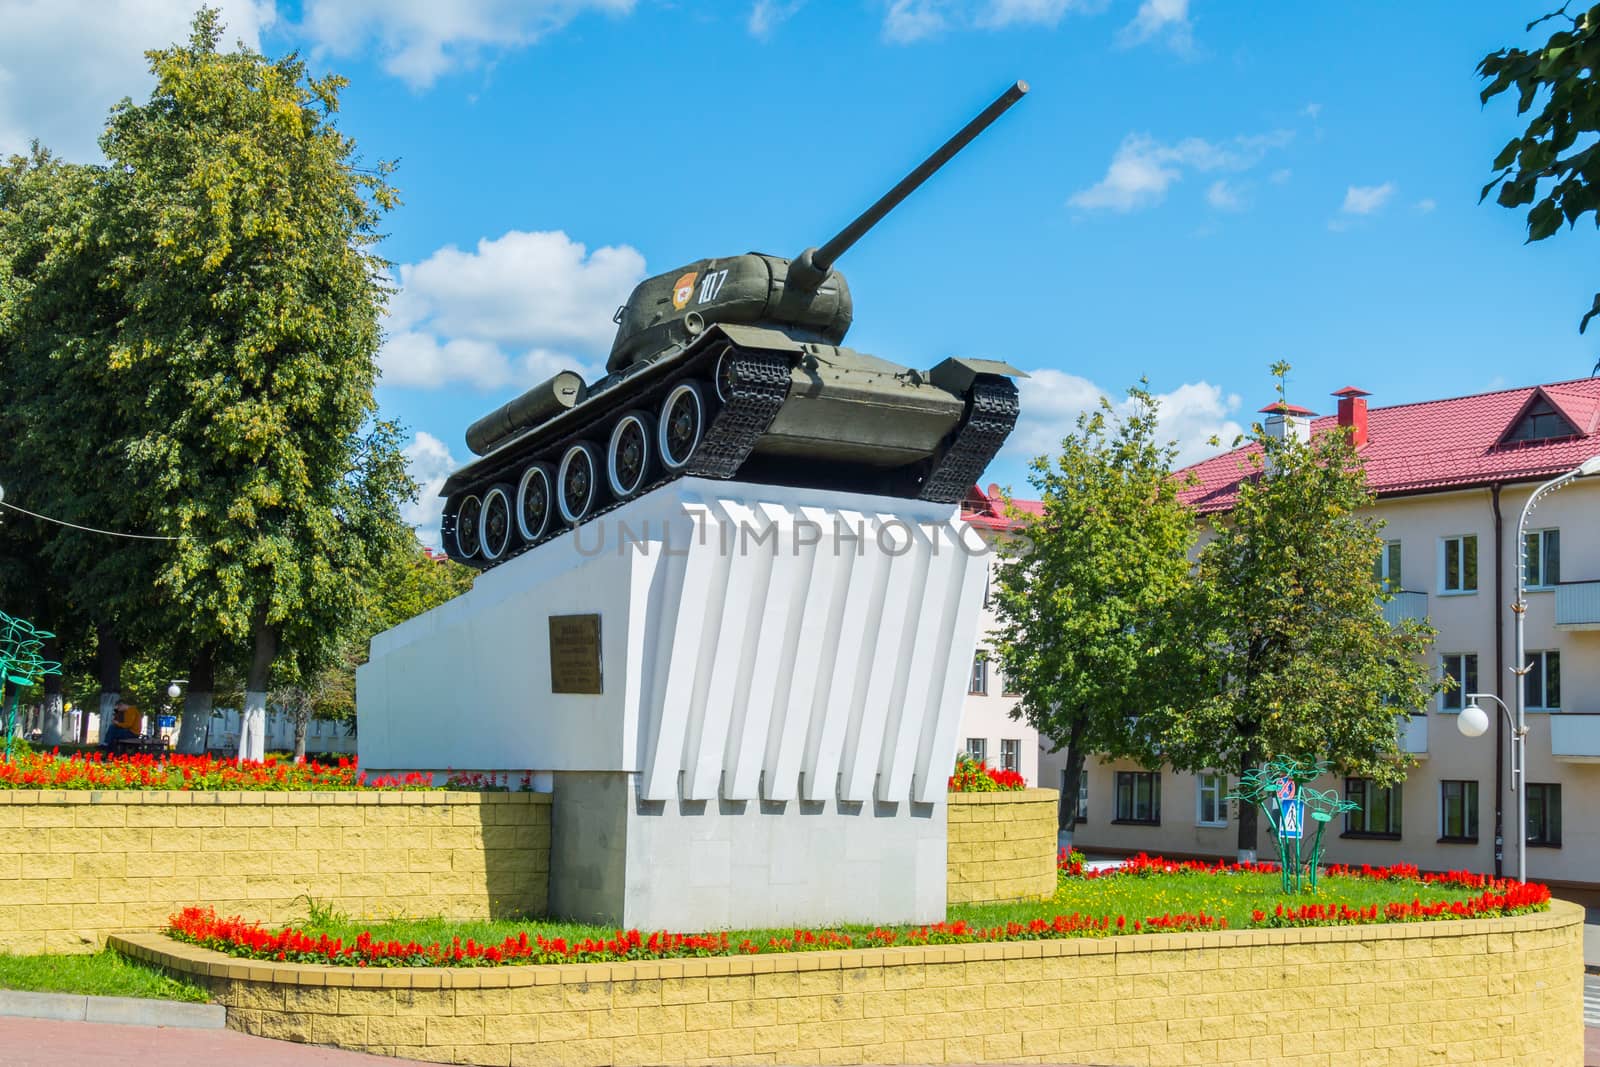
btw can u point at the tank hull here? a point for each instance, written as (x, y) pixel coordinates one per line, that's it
(770, 408)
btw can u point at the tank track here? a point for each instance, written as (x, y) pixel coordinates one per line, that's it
(757, 385)
(991, 414)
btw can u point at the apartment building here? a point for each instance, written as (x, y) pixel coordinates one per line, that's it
(1451, 477)
(987, 729)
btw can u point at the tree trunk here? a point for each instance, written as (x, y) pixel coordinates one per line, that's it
(1067, 809)
(50, 724)
(108, 659)
(1247, 815)
(253, 722)
(197, 701)
(301, 715)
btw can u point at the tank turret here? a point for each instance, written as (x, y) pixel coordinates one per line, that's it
(733, 367)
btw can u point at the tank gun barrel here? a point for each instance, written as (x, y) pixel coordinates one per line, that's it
(822, 259)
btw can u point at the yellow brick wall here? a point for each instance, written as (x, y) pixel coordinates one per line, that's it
(1488, 992)
(1002, 846)
(85, 864)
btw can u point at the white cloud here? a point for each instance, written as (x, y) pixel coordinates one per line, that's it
(1164, 20)
(429, 462)
(768, 15)
(1143, 168)
(513, 311)
(1311, 111)
(905, 21)
(1052, 400)
(1224, 196)
(998, 13)
(421, 40)
(63, 63)
(913, 20)
(1281, 175)
(1365, 199)
(1426, 204)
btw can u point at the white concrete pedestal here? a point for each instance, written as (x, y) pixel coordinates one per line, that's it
(783, 672)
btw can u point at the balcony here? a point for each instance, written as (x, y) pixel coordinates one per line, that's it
(1578, 606)
(1575, 736)
(1413, 735)
(1406, 605)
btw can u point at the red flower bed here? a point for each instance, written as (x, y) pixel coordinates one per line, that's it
(95, 770)
(976, 776)
(235, 937)
(1507, 897)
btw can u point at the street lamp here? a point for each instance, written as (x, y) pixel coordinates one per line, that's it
(1473, 720)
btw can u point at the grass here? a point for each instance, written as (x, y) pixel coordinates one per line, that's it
(103, 973)
(1233, 896)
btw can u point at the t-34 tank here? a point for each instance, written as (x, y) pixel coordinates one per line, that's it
(732, 367)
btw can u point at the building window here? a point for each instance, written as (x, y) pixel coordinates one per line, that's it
(1541, 686)
(1010, 754)
(979, 686)
(1458, 811)
(1378, 813)
(1544, 815)
(1387, 569)
(1007, 689)
(1211, 807)
(1540, 422)
(1461, 668)
(1138, 797)
(978, 748)
(1460, 564)
(1543, 554)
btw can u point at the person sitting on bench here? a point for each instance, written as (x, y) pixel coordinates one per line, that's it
(124, 725)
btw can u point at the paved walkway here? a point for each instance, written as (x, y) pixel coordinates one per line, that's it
(38, 1043)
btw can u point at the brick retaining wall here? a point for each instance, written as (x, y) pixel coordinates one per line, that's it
(1490, 992)
(86, 863)
(1002, 846)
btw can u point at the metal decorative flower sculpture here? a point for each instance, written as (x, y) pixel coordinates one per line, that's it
(22, 664)
(1281, 790)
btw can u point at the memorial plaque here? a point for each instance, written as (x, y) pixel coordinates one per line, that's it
(575, 654)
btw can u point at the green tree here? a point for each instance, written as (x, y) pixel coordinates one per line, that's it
(1086, 593)
(240, 226)
(1289, 614)
(1554, 164)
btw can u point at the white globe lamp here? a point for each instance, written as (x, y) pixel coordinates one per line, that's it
(173, 691)
(1473, 721)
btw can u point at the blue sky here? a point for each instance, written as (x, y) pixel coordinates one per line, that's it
(1193, 189)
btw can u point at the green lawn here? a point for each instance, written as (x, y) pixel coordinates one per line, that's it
(1233, 896)
(103, 973)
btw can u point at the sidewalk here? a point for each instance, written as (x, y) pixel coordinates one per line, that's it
(42, 1043)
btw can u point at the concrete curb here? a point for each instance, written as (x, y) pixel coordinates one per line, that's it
(129, 1011)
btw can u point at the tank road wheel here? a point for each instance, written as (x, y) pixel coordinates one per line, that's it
(578, 482)
(467, 516)
(726, 377)
(683, 421)
(533, 502)
(628, 455)
(495, 522)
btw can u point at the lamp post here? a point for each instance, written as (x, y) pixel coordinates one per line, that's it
(1473, 720)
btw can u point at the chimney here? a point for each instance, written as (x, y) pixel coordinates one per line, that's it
(1288, 421)
(1353, 412)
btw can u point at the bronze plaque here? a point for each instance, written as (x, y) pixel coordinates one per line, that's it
(575, 654)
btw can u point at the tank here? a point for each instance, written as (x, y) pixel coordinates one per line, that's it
(733, 367)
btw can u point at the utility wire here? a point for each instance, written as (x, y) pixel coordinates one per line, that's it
(85, 529)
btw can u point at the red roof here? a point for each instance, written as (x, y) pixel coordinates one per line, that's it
(1437, 444)
(988, 510)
